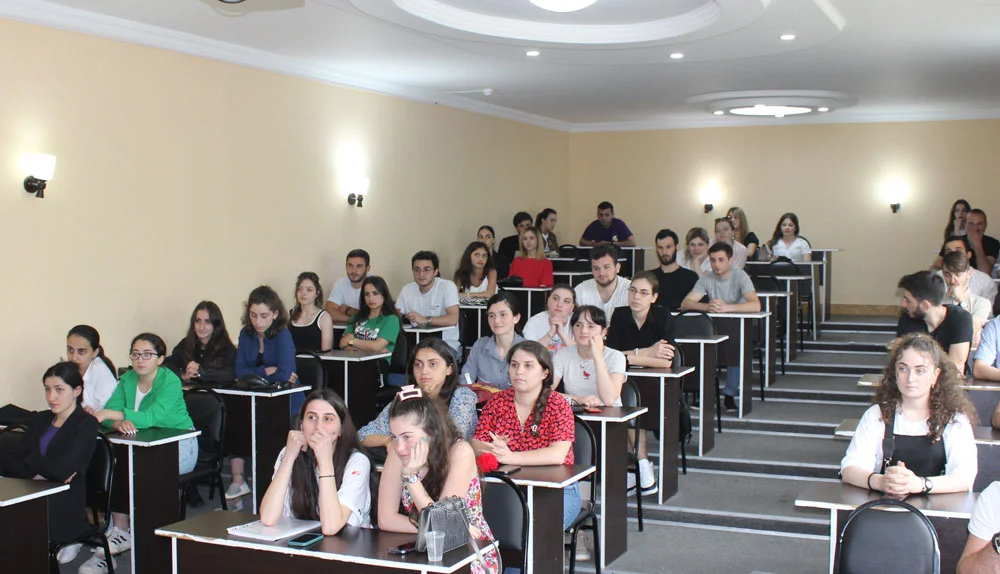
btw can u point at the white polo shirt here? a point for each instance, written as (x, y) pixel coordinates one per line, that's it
(587, 294)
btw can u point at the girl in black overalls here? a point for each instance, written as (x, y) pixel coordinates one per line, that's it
(927, 445)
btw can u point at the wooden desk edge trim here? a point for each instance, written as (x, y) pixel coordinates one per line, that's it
(653, 374)
(703, 340)
(603, 418)
(249, 393)
(33, 496)
(545, 484)
(133, 442)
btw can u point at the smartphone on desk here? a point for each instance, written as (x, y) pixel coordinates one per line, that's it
(507, 470)
(307, 539)
(403, 549)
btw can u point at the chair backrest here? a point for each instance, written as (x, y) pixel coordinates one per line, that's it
(888, 542)
(400, 354)
(100, 481)
(208, 413)
(782, 268)
(693, 324)
(506, 511)
(569, 250)
(311, 370)
(765, 283)
(585, 451)
(630, 398)
(10, 439)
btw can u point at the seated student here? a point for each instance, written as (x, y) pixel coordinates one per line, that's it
(607, 229)
(310, 325)
(476, 277)
(949, 325)
(346, 292)
(487, 236)
(512, 243)
(432, 369)
(785, 242)
(695, 253)
(728, 291)
(981, 554)
(957, 273)
(551, 327)
(724, 234)
(986, 363)
(430, 301)
(531, 265)
(487, 361)
(265, 346)
(375, 327)
(58, 445)
(147, 396)
(83, 348)
(429, 461)
(741, 231)
(321, 473)
(934, 450)
(957, 217)
(607, 289)
(675, 281)
(529, 424)
(546, 221)
(979, 283)
(986, 249)
(206, 354)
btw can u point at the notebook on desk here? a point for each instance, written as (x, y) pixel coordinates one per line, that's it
(285, 528)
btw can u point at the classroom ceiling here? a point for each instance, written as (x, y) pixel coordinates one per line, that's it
(610, 66)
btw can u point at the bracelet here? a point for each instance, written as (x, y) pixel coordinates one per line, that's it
(870, 487)
(327, 476)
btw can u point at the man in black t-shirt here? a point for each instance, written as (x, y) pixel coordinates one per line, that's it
(510, 245)
(675, 281)
(984, 247)
(949, 325)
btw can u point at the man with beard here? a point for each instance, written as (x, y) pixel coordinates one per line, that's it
(675, 281)
(607, 289)
(346, 293)
(949, 325)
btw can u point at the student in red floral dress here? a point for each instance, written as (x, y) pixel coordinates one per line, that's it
(427, 461)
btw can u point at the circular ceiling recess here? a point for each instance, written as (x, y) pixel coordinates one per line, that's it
(602, 23)
(773, 103)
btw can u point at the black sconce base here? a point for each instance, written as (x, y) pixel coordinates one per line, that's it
(34, 185)
(356, 198)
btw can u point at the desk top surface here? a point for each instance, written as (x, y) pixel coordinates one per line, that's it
(551, 475)
(769, 294)
(352, 545)
(762, 263)
(267, 392)
(675, 372)
(15, 490)
(353, 355)
(613, 414)
(840, 496)
(713, 340)
(793, 277)
(413, 329)
(152, 436)
(736, 316)
(528, 289)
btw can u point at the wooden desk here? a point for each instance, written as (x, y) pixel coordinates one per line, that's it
(985, 395)
(147, 480)
(413, 334)
(257, 425)
(826, 280)
(544, 490)
(808, 271)
(612, 464)
(359, 378)
(949, 513)
(660, 390)
(24, 522)
(704, 354)
(738, 349)
(202, 544)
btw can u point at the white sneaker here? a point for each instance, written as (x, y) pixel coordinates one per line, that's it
(583, 545)
(68, 553)
(118, 540)
(96, 565)
(630, 480)
(647, 477)
(237, 491)
(236, 505)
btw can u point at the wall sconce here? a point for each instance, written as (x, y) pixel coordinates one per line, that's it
(361, 185)
(894, 207)
(41, 169)
(709, 207)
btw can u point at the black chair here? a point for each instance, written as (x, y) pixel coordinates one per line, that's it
(311, 369)
(10, 439)
(770, 284)
(699, 324)
(506, 511)
(630, 398)
(396, 366)
(208, 412)
(901, 540)
(585, 452)
(784, 267)
(100, 480)
(569, 250)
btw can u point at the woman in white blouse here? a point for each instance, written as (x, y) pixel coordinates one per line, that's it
(786, 241)
(933, 449)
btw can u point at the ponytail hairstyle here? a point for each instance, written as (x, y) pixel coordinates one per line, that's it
(544, 359)
(542, 216)
(307, 276)
(305, 486)
(94, 338)
(69, 373)
(430, 415)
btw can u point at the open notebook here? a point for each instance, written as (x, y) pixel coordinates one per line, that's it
(285, 528)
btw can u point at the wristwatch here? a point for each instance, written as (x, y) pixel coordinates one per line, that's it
(928, 485)
(411, 478)
(351, 342)
(996, 543)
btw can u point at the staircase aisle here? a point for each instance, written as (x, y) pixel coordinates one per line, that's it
(735, 511)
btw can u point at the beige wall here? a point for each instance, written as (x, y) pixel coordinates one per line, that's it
(833, 176)
(180, 179)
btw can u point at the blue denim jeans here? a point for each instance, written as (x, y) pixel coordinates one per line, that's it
(732, 387)
(187, 454)
(571, 504)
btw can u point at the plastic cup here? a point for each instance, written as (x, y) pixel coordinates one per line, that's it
(435, 545)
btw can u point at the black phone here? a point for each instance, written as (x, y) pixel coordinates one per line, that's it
(404, 549)
(507, 470)
(307, 539)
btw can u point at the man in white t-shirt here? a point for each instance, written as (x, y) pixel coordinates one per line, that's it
(431, 301)
(607, 289)
(982, 549)
(346, 293)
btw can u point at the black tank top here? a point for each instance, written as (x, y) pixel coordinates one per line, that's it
(919, 455)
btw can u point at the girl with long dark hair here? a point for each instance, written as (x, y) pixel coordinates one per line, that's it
(206, 354)
(476, 276)
(310, 325)
(83, 348)
(785, 242)
(375, 327)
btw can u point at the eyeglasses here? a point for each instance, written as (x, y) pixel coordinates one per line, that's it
(145, 355)
(643, 292)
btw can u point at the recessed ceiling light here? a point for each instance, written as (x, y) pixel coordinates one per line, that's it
(676, 56)
(769, 110)
(231, 1)
(718, 112)
(822, 109)
(562, 5)
(532, 53)
(787, 37)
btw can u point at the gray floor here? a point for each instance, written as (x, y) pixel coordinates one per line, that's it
(876, 362)
(847, 383)
(773, 410)
(777, 448)
(740, 493)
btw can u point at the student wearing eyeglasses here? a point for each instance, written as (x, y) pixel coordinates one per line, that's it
(149, 395)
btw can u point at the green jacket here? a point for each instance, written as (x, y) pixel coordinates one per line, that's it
(162, 407)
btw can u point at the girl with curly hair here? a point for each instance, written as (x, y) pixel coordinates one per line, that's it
(933, 447)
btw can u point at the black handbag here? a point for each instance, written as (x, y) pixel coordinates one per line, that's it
(511, 281)
(447, 515)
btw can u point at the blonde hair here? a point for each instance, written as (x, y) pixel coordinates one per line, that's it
(539, 246)
(738, 213)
